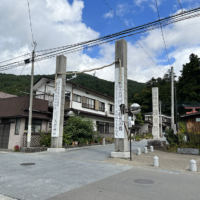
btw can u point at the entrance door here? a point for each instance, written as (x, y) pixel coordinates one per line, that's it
(4, 135)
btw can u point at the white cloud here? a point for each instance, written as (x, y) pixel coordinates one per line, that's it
(108, 15)
(122, 9)
(52, 29)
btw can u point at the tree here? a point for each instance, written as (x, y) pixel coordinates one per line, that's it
(188, 86)
(139, 119)
(79, 129)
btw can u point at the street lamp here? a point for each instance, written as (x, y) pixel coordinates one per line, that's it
(135, 109)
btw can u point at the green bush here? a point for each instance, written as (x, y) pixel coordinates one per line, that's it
(45, 138)
(79, 129)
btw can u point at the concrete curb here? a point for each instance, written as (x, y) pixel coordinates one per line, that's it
(88, 147)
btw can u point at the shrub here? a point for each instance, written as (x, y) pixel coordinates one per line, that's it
(45, 138)
(79, 129)
(16, 148)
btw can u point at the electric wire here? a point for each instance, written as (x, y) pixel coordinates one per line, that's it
(162, 33)
(106, 3)
(180, 5)
(119, 35)
(128, 30)
(30, 21)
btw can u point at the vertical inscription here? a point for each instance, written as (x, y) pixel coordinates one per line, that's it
(56, 108)
(155, 113)
(119, 99)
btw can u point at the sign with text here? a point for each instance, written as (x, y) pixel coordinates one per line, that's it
(119, 99)
(56, 108)
(155, 113)
(197, 119)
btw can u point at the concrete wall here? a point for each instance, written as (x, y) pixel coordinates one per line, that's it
(144, 128)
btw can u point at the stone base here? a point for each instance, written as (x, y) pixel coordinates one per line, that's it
(188, 151)
(157, 145)
(32, 149)
(56, 149)
(120, 154)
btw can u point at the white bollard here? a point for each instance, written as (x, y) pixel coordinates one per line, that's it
(185, 138)
(104, 141)
(193, 166)
(145, 150)
(155, 161)
(139, 152)
(151, 148)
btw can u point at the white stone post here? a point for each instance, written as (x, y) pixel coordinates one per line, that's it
(145, 150)
(193, 166)
(121, 137)
(139, 152)
(58, 106)
(155, 161)
(155, 101)
(151, 148)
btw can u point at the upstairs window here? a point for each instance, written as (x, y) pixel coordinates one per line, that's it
(112, 107)
(77, 98)
(102, 106)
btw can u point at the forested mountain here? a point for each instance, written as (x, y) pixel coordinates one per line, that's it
(14, 84)
(187, 85)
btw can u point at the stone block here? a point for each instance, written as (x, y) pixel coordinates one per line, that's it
(32, 149)
(188, 151)
(120, 154)
(56, 149)
(157, 145)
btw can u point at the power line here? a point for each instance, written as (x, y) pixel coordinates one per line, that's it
(106, 3)
(162, 33)
(30, 21)
(15, 58)
(109, 38)
(180, 5)
(130, 30)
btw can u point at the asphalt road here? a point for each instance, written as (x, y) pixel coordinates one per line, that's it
(85, 174)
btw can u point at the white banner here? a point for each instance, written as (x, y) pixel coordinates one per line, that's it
(119, 99)
(56, 108)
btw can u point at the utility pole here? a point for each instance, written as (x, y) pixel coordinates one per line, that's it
(31, 99)
(176, 109)
(160, 121)
(172, 98)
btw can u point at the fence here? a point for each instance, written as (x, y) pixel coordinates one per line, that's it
(35, 140)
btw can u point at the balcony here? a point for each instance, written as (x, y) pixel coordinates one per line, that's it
(89, 106)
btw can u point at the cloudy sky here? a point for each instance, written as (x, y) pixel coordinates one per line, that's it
(62, 22)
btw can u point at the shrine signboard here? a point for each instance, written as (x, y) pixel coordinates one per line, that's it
(119, 99)
(155, 106)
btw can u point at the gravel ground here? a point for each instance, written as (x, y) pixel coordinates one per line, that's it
(168, 161)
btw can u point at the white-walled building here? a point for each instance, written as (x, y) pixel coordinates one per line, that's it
(81, 101)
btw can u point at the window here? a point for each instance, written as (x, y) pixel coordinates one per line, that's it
(112, 107)
(36, 125)
(88, 103)
(67, 97)
(102, 106)
(11, 120)
(17, 126)
(77, 98)
(104, 127)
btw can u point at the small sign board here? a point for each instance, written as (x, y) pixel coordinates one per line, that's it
(129, 122)
(197, 119)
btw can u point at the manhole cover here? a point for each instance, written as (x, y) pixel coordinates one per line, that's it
(25, 164)
(143, 181)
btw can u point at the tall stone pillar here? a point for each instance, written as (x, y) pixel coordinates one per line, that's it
(155, 101)
(121, 137)
(58, 105)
